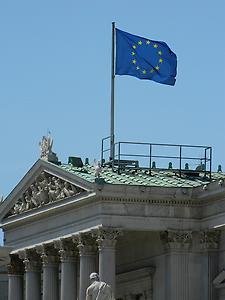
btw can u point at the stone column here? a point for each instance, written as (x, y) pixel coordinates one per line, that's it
(87, 252)
(209, 242)
(106, 239)
(15, 276)
(177, 245)
(68, 260)
(32, 274)
(50, 265)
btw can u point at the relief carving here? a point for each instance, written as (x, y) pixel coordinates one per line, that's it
(44, 190)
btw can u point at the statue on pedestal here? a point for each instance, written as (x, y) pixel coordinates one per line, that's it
(46, 149)
(98, 290)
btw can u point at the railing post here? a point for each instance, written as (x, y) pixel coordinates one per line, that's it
(205, 170)
(180, 160)
(102, 152)
(210, 164)
(150, 159)
(119, 157)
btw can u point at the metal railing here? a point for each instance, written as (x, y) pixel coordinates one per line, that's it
(182, 159)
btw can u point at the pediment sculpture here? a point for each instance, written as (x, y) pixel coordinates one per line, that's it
(44, 190)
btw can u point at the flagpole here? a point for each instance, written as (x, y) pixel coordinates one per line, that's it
(112, 116)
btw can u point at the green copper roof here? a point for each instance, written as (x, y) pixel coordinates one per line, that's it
(158, 178)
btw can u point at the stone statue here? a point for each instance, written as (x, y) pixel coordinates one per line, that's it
(46, 146)
(98, 290)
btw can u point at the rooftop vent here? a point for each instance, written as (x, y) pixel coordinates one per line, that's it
(75, 161)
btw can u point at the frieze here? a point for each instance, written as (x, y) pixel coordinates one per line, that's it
(44, 190)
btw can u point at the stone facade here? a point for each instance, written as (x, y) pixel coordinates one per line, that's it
(153, 243)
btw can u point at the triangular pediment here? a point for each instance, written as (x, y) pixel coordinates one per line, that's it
(44, 185)
(44, 190)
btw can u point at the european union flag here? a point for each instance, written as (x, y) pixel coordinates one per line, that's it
(145, 58)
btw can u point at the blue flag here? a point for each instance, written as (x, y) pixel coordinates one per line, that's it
(144, 58)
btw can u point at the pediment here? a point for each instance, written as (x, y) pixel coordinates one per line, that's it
(44, 185)
(44, 190)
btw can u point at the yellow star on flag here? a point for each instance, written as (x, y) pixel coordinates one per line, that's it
(140, 43)
(134, 46)
(155, 46)
(157, 68)
(134, 61)
(133, 53)
(160, 52)
(160, 60)
(152, 71)
(144, 71)
(148, 42)
(137, 68)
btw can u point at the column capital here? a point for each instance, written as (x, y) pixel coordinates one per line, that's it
(209, 239)
(66, 249)
(85, 243)
(176, 239)
(31, 260)
(15, 267)
(48, 254)
(106, 236)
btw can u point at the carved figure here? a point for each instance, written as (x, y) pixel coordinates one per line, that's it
(45, 189)
(67, 189)
(98, 290)
(46, 146)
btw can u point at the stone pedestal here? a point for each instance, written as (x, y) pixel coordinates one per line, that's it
(87, 252)
(15, 276)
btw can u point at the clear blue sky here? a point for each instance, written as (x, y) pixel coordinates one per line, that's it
(55, 60)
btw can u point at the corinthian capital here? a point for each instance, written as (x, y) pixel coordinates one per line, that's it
(15, 267)
(209, 239)
(106, 236)
(66, 249)
(176, 239)
(31, 260)
(85, 243)
(47, 253)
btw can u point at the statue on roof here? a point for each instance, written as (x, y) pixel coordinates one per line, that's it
(46, 149)
(46, 145)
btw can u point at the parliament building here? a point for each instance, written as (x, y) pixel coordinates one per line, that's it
(151, 233)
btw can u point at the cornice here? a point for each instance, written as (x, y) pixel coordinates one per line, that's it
(162, 202)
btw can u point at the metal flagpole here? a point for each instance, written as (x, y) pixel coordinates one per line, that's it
(112, 133)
